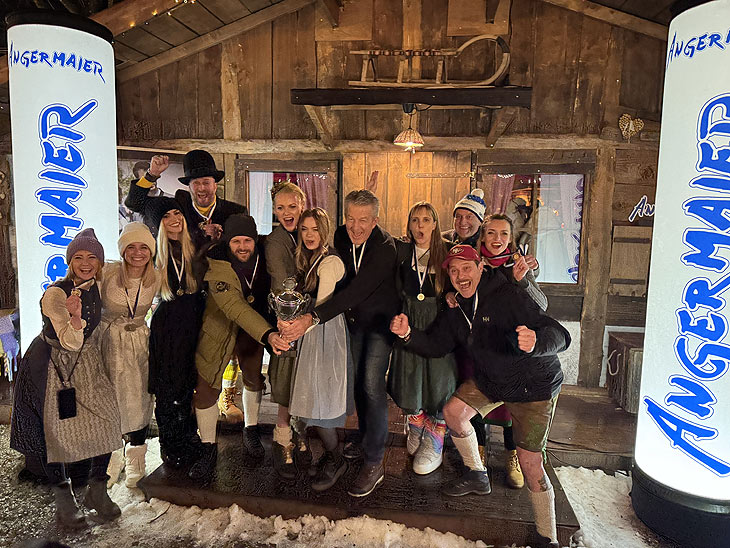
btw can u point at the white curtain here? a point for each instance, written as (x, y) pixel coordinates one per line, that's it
(259, 199)
(558, 227)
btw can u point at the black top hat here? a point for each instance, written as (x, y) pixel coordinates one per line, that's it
(199, 163)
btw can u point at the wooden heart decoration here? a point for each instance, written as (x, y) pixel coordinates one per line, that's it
(630, 126)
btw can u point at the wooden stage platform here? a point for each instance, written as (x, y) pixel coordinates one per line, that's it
(501, 518)
(588, 430)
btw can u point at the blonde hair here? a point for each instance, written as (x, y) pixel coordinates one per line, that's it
(161, 261)
(437, 245)
(305, 258)
(287, 187)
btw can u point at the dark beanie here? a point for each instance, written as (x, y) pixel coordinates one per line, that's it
(85, 241)
(155, 209)
(240, 224)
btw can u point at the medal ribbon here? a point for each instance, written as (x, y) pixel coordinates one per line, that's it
(179, 271)
(473, 313)
(253, 277)
(209, 215)
(417, 266)
(359, 260)
(133, 311)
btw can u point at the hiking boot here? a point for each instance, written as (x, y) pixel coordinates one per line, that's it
(203, 469)
(283, 460)
(68, 514)
(252, 442)
(416, 424)
(331, 470)
(515, 479)
(430, 453)
(134, 456)
(227, 406)
(370, 476)
(474, 482)
(351, 451)
(97, 498)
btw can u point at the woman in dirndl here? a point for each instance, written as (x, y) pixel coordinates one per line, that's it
(127, 290)
(280, 246)
(322, 390)
(64, 408)
(420, 386)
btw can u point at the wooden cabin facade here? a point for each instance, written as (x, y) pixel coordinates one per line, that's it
(218, 75)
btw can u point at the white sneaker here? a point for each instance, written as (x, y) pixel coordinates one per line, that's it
(135, 463)
(116, 465)
(428, 457)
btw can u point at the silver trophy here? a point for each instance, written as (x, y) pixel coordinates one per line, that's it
(289, 303)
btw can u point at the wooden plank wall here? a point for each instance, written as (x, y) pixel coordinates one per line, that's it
(385, 174)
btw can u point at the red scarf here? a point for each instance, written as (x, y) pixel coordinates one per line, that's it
(498, 260)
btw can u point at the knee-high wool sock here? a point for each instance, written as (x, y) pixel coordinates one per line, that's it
(543, 506)
(468, 448)
(251, 406)
(230, 375)
(207, 423)
(282, 435)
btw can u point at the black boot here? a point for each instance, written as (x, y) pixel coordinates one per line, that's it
(68, 514)
(332, 469)
(303, 453)
(204, 468)
(97, 498)
(283, 460)
(252, 442)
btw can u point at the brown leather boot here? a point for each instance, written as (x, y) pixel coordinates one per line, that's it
(370, 476)
(227, 406)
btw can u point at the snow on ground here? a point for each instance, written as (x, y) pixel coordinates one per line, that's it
(600, 501)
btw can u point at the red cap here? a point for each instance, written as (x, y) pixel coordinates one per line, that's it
(463, 252)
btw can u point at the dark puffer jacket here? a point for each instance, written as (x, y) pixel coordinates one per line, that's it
(501, 370)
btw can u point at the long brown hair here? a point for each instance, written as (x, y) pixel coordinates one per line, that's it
(163, 252)
(512, 245)
(437, 245)
(306, 258)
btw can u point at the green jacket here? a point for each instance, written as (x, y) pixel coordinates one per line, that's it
(226, 310)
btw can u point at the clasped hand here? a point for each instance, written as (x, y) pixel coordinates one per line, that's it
(291, 330)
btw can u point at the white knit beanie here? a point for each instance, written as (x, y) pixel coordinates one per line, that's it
(133, 233)
(474, 202)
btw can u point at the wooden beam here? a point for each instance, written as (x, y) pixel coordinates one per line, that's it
(212, 38)
(315, 113)
(117, 19)
(614, 17)
(433, 143)
(413, 33)
(597, 266)
(332, 11)
(500, 122)
(229, 167)
(493, 96)
(610, 96)
(230, 101)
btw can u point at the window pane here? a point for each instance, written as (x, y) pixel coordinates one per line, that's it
(560, 198)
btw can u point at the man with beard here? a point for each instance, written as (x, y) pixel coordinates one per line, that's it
(513, 347)
(232, 324)
(204, 212)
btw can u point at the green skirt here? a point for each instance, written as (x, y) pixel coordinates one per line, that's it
(280, 373)
(415, 382)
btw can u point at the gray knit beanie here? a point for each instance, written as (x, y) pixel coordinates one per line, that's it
(85, 241)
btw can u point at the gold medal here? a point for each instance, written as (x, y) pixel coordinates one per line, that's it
(130, 327)
(76, 292)
(250, 299)
(420, 296)
(515, 256)
(179, 292)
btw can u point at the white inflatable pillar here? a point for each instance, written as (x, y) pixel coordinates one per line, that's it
(63, 123)
(681, 477)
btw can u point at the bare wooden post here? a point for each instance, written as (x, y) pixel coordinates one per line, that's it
(7, 275)
(598, 261)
